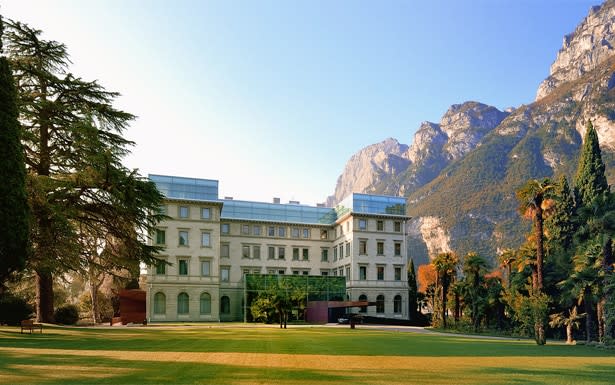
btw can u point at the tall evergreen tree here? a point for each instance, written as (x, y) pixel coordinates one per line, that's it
(14, 212)
(590, 180)
(78, 186)
(445, 265)
(412, 292)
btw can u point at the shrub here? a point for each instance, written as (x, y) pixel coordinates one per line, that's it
(14, 309)
(67, 315)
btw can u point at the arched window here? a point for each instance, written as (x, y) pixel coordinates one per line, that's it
(397, 304)
(160, 303)
(363, 309)
(225, 305)
(205, 303)
(380, 304)
(182, 303)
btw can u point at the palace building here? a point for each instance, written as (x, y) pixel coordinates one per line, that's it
(211, 244)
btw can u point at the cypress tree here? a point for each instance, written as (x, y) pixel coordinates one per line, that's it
(13, 201)
(412, 292)
(590, 180)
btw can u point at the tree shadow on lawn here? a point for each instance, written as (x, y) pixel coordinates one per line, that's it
(65, 369)
(587, 374)
(297, 341)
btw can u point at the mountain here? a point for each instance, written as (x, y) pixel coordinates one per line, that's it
(460, 176)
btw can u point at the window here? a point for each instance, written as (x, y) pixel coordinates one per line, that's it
(305, 272)
(324, 255)
(295, 272)
(245, 229)
(324, 234)
(334, 253)
(256, 252)
(306, 254)
(363, 298)
(362, 247)
(271, 231)
(397, 249)
(397, 304)
(347, 226)
(205, 213)
(380, 304)
(161, 268)
(281, 231)
(347, 273)
(161, 237)
(205, 239)
(347, 249)
(256, 230)
(380, 248)
(380, 225)
(295, 253)
(362, 224)
(271, 251)
(160, 303)
(398, 273)
(205, 303)
(397, 227)
(245, 251)
(380, 273)
(205, 268)
(294, 232)
(362, 273)
(324, 273)
(225, 228)
(341, 250)
(183, 267)
(306, 233)
(225, 305)
(224, 274)
(183, 212)
(281, 272)
(183, 238)
(281, 252)
(224, 250)
(183, 302)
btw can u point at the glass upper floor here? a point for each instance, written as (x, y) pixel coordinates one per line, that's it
(174, 187)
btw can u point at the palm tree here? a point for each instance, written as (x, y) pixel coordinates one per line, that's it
(445, 265)
(474, 268)
(570, 321)
(534, 199)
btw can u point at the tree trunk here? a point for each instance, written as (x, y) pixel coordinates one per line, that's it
(588, 315)
(569, 339)
(444, 290)
(44, 297)
(539, 249)
(94, 297)
(600, 310)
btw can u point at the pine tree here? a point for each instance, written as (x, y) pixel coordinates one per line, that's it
(78, 187)
(412, 292)
(14, 212)
(590, 180)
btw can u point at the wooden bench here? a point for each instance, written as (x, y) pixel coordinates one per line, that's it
(29, 324)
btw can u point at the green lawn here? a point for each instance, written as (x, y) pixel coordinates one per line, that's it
(301, 355)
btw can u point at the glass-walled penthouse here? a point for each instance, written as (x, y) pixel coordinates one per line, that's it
(372, 204)
(176, 187)
(275, 212)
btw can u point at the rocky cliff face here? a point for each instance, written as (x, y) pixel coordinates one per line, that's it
(589, 45)
(393, 168)
(460, 175)
(370, 166)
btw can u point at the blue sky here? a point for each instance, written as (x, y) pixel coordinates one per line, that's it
(273, 97)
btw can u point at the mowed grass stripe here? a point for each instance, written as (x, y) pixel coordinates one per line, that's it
(204, 355)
